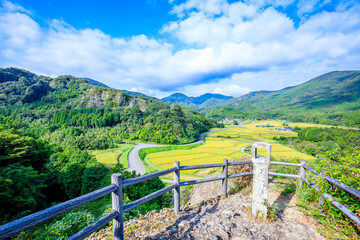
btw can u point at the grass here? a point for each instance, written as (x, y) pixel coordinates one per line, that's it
(111, 156)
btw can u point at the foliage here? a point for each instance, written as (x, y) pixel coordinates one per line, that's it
(93, 177)
(21, 191)
(271, 212)
(346, 169)
(62, 228)
(142, 189)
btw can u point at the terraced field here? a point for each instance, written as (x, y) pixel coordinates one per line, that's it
(230, 144)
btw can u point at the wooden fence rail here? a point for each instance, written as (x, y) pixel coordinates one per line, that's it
(116, 189)
(343, 186)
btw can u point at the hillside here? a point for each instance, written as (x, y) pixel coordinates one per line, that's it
(197, 103)
(96, 83)
(50, 126)
(332, 98)
(334, 90)
(73, 102)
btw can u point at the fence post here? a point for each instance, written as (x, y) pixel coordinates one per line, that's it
(177, 189)
(225, 180)
(302, 174)
(117, 205)
(260, 180)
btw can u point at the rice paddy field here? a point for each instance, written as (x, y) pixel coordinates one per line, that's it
(111, 156)
(231, 144)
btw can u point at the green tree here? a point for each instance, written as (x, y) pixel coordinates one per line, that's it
(20, 191)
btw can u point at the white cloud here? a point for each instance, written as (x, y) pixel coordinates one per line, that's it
(13, 7)
(229, 48)
(232, 90)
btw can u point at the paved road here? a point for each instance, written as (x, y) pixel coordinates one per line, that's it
(135, 162)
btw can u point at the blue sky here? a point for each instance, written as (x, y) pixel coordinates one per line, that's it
(159, 47)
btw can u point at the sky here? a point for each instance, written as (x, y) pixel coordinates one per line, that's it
(159, 47)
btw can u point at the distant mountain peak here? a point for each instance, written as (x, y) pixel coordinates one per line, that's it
(197, 103)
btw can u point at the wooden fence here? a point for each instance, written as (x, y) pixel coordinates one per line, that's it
(116, 189)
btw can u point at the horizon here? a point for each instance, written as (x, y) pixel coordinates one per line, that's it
(193, 47)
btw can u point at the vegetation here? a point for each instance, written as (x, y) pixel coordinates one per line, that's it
(51, 127)
(337, 150)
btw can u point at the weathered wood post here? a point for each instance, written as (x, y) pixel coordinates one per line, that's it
(117, 205)
(302, 174)
(260, 180)
(225, 180)
(177, 189)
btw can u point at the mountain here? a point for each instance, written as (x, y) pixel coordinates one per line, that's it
(68, 101)
(198, 103)
(332, 98)
(138, 94)
(132, 93)
(96, 83)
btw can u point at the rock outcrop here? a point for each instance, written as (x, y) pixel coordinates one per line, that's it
(217, 218)
(139, 102)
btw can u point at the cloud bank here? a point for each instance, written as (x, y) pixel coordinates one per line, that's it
(214, 46)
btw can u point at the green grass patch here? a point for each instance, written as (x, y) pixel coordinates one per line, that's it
(124, 157)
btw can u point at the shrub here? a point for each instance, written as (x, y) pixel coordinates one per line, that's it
(70, 224)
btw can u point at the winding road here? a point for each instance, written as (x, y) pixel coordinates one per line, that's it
(135, 163)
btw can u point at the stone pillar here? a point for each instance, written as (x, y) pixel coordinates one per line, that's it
(260, 179)
(302, 174)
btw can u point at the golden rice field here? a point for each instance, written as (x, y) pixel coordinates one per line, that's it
(110, 156)
(229, 144)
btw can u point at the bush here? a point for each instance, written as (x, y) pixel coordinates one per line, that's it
(69, 225)
(93, 177)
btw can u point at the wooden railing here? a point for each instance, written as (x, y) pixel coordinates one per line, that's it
(116, 189)
(350, 190)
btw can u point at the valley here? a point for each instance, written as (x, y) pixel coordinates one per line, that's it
(63, 137)
(230, 143)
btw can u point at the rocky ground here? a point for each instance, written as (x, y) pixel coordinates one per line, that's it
(219, 218)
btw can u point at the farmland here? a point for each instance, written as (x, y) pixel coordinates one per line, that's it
(232, 144)
(110, 156)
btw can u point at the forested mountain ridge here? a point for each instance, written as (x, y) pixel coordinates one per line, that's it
(328, 91)
(332, 98)
(198, 103)
(73, 102)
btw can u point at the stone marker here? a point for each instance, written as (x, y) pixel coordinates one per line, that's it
(260, 180)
